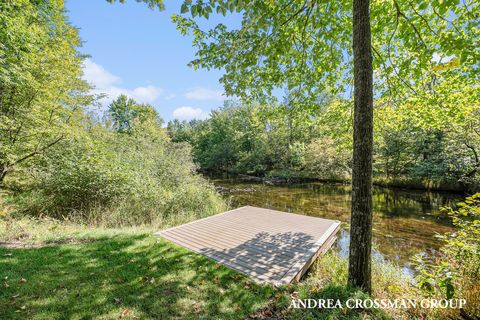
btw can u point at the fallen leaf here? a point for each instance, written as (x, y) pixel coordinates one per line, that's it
(267, 313)
(23, 280)
(124, 313)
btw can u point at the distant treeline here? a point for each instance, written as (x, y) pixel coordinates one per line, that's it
(412, 148)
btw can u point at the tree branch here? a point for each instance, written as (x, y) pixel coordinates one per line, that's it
(38, 151)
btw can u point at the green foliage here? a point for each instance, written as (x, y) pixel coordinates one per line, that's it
(67, 165)
(121, 112)
(41, 91)
(324, 160)
(433, 135)
(304, 47)
(464, 245)
(115, 178)
(425, 65)
(258, 140)
(457, 271)
(152, 4)
(287, 141)
(124, 111)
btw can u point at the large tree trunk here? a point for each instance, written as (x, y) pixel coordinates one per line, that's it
(359, 270)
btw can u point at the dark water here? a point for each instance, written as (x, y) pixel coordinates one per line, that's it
(404, 224)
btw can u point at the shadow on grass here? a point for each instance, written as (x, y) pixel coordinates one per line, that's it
(134, 275)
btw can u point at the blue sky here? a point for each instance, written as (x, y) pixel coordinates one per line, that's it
(138, 51)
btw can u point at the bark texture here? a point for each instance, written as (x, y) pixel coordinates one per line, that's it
(359, 271)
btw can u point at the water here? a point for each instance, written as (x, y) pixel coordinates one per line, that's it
(404, 221)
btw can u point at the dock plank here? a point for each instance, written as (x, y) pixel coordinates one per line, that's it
(267, 245)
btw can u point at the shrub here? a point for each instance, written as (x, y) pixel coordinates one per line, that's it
(456, 272)
(323, 160)
(114, 179)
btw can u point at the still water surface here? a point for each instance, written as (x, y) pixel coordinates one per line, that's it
(404, 221)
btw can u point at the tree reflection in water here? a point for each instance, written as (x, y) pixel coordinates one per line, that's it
(405, 221)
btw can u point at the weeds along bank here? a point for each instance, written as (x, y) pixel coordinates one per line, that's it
(114, 175)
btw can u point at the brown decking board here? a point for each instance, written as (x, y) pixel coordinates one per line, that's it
(267, 245)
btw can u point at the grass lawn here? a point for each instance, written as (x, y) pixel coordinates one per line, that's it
(62, 271)
(135, 275)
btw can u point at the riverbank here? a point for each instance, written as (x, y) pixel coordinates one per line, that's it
(287, 177)
(52, 270)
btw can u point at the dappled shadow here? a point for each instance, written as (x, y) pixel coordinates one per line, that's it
(266, 256)
(148, 277)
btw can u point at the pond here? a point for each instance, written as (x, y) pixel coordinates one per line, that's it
(404, 221)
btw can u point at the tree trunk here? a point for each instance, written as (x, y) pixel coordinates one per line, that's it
(3, 173)
(359, 270)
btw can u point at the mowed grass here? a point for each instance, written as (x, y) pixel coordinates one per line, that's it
(121, 275)
(59, 270)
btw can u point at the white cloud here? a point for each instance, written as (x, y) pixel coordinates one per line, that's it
(108, 84)
(204, 94)
(148, 93)
(97, 75)
(189, 113)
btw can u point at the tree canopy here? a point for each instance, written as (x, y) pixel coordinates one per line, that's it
(305, 46)
(41, 90)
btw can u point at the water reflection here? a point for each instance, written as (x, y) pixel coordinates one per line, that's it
(404, 222)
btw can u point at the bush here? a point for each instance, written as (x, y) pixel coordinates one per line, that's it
(456, 272)
(114, 179)
(324, 161)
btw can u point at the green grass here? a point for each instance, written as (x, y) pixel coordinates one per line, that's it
(59, 270)
(111, 273)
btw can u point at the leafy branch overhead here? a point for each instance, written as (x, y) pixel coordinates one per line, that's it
(305, 46)
(152, 4)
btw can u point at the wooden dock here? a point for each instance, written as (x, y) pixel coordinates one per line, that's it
(267, 245)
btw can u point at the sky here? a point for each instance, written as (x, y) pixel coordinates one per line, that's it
(138, 52)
